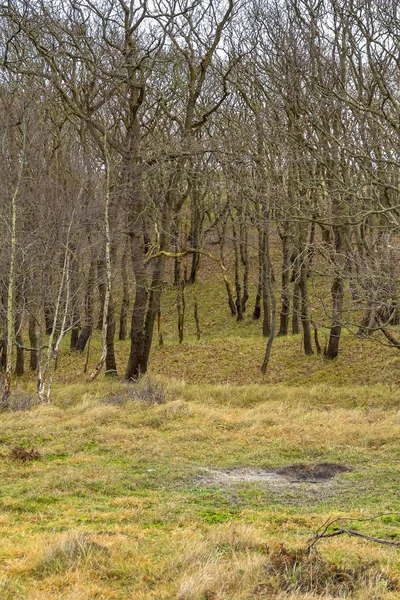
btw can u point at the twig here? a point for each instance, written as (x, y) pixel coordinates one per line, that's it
(323, 533)
(353, 533)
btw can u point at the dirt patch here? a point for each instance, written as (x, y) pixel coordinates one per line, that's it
(293, 484)
(20, 454)
(312, 473)
(234, 476)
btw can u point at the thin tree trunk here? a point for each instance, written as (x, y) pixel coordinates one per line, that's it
(196, 314)
(285, 295)
(296, 307)
(244, 257)
(311, 249)
(19, 360)
(102, 288)
(196, 228)
(159, 329)
(111, 365)
(257, 305)
(75, 316)
(181, 306)
(43, 393)
(266, 298)
(305, 321)
(11, 286)
(87, 328)
(48, 311)
(222, 237)
(153, 310)
(238, 287)
(123, 319)
(108, 325)
(33, 342)
(337, 305)
(268, 292)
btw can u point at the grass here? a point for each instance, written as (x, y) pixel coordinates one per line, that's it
(121, 503)
(117, 508)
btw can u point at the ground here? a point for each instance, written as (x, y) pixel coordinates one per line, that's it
(166, 500)
(205, 481)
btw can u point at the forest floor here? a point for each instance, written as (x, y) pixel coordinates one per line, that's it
(205, 480)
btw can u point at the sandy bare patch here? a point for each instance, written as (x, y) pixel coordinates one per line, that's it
(293, 484)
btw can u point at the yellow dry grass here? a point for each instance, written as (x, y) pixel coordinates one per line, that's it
(117, 507)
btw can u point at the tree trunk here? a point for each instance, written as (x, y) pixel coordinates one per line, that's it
(135, 360)
(11, 289)
(259, 295)
(102, 287)
(305, 321)
(337, 304)
(48, 311)
(75, 316)
(33, 342)
(238, 287)
(152, 311)
(196, 228)
(87, 328)
(268, 292)
(285, 295)
(156, 286)
(244, 256)
(296, 308)
(111, 365)
(222, 237)
(19, 360)
(123, 319)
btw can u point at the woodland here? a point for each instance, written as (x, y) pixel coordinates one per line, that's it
(136, 136)
(199, 268)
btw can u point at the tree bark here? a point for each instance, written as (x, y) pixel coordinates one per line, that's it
(268, 292)
(87, 328)
(238, 287)
(285, 295)
(33, 342)
(296, 307)
(123, 319)
(337, 292)
(75, 316)
(19, 359)
(305, 321)
(102, 288)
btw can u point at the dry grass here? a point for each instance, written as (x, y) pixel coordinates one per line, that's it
(116, 507)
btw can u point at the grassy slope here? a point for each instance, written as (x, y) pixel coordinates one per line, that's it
(116, 507)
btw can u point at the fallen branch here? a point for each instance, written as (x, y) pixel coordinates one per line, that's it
(323, 533)
(353, 533)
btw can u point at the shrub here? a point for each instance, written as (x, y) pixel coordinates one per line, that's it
(18, 400)
(148, 390)
(116, 400)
